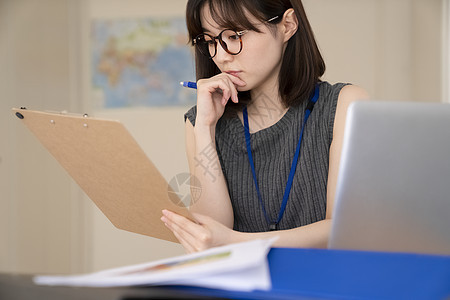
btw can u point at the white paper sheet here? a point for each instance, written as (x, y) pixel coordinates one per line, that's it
(239, 267)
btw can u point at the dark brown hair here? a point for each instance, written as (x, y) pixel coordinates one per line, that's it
(302, 64)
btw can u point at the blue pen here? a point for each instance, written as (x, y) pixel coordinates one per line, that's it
(189, 84)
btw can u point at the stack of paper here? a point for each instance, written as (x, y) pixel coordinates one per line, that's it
(238, 267)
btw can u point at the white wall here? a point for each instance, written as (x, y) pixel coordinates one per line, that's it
(392, 48)
(446, 51)
(35, 192)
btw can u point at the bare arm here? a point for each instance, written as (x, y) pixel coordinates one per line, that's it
(204, 164)
(347, 95)
(212, 96)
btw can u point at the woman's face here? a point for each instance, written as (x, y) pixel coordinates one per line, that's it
(259, 62)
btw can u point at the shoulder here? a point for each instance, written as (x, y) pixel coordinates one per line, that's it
(335, 100)
(351, 93)
(329, 95)
(329, 90)
(347, 95)
(341, 94)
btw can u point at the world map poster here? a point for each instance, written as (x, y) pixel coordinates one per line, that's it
(140, 62)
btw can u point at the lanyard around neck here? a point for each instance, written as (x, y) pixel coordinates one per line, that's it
(273, 224)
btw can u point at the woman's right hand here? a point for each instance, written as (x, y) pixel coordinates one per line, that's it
(212, 96)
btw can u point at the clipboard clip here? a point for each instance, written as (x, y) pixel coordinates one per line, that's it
(19, 115)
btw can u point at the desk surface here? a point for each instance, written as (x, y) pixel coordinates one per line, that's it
(296, 274)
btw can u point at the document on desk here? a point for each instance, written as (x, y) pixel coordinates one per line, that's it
(237, 267)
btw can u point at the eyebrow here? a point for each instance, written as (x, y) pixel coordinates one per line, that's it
(209, 31)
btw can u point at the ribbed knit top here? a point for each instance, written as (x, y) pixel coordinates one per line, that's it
(273, 150)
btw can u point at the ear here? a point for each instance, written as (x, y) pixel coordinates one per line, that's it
(289, 24)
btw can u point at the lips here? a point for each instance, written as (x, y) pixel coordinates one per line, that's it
(233, 73)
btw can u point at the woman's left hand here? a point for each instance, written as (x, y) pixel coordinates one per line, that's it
(204, 234)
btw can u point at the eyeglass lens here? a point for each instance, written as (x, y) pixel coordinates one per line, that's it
(230, 41)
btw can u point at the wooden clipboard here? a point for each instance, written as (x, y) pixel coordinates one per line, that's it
(111, 168)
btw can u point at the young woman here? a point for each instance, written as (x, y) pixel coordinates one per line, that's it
(264, 139)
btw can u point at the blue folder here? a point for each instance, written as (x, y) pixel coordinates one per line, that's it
(339, 274)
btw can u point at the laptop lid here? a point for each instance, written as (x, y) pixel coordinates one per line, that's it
(393, 190)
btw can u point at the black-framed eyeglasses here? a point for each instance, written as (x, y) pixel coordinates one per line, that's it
(229, 39)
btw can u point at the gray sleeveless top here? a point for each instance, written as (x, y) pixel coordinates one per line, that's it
(273, 150)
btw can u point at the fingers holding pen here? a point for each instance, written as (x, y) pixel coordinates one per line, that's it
(225, 85)
(212, 96)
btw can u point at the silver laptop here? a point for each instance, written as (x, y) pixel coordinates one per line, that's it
(393, 190)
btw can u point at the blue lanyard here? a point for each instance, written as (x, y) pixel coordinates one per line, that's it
(309, 108)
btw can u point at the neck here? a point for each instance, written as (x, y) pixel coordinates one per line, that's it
(265, 109)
